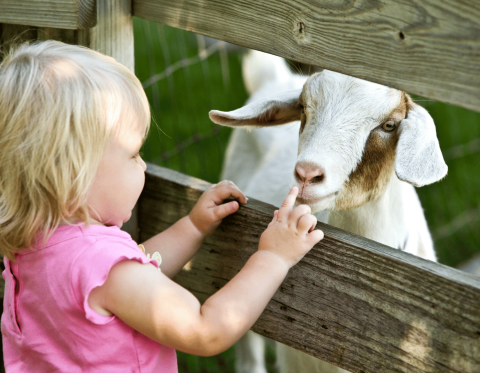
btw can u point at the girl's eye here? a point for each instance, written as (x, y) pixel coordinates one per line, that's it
(388, 126)
(137, 155)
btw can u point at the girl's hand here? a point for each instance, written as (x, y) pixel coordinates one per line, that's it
(157, 307)
(291, 233)
(210, 209)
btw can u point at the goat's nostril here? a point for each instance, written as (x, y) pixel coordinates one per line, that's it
(317, 179)
(309, 174)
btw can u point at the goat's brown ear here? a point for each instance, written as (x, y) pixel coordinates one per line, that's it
(419, 160)
(269, 111)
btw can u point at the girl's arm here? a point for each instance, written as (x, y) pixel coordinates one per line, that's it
(177, 245)
(155, 306)
(181, 241)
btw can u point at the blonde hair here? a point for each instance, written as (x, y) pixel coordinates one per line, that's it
(59, 106)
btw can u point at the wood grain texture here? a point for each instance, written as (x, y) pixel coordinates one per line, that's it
(113, 34)
(75, 37)
(430, 48)
(352, 302)
(67, 14)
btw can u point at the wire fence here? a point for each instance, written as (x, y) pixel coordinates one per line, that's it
(186, 75)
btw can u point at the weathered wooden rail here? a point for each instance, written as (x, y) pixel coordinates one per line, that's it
(66, 14)
(430, 48)
(351, 301)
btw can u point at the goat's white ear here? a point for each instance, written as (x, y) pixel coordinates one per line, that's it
(269, 111)
(419, 160)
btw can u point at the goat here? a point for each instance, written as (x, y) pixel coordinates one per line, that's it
(361, 147)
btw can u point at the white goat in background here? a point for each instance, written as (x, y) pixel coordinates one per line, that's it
(361, 146)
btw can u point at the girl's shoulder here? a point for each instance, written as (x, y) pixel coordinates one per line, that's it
(86, 256)
(78, 247)
(77, 238)
(65, 232)
(94, 244)
(106, 242)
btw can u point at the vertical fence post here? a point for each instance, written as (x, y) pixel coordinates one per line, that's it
(113, 36)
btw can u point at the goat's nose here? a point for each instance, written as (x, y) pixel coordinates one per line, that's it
(309, 173)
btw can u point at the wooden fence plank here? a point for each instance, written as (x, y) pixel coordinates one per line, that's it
(113, 34)
(430, 48)
(352, 302)
(67, 14)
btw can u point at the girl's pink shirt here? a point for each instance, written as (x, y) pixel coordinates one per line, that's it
(47, 324)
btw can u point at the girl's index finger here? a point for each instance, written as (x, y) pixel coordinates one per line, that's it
(287, 204)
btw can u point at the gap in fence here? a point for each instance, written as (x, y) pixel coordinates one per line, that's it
(186, 75)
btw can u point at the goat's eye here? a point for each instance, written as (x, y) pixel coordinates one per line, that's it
(388, 126)
(303, 120)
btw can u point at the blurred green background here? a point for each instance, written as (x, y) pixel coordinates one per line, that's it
(186, 75)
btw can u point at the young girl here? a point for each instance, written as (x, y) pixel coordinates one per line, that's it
(80, 295)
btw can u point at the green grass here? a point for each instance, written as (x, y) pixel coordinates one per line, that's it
(181, 101)
(458, 192)
(223, 363)
(184, 139)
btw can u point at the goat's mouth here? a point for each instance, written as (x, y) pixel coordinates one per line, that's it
(314, 201)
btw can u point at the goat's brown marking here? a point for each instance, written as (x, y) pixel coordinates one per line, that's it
(372, 175)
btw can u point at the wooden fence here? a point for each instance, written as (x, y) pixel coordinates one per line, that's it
(430, 48)
(352, 302)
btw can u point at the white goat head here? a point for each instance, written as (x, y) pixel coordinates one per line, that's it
(353, 136)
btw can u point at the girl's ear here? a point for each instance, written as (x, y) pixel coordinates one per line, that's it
(269, 111)
(419, 160)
